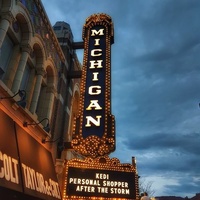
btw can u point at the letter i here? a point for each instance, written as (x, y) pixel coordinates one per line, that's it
(95, 76)
(96, 42)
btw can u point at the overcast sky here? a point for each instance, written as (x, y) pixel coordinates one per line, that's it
(155, 84)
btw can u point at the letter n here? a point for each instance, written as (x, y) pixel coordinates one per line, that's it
(90, 120)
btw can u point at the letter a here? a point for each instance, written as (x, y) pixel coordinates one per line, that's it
(94, 104)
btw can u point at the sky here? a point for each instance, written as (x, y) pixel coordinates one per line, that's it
(155, 85)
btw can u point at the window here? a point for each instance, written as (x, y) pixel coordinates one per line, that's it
(57, 28)
(5, 54)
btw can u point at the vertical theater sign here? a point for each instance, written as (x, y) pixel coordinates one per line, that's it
(94, 131)
(97, 176)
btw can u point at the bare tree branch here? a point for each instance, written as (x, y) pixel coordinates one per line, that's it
(146, 186)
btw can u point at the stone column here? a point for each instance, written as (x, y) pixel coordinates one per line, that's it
(40, 73)
(26, 49)
(50, 100)
(6, 20)
(30, 87)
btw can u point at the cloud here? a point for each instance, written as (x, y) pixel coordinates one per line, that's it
(188, 143)
(180, 188)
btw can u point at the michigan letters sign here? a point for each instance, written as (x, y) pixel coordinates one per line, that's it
(94, 130)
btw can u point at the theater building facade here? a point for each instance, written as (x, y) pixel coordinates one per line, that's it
(39, 94)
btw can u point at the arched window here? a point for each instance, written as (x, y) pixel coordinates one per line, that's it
(46, 95)
(5, 54)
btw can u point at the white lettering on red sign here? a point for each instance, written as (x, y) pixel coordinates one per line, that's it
(9, 171)
(8, 168)
(35, 181)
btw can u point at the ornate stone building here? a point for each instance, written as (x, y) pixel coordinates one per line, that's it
(39, 95)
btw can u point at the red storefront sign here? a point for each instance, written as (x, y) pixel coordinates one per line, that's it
(25, 165)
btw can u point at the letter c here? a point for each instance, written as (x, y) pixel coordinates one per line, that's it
(94, 52)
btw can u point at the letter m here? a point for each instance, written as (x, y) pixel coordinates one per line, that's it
(95, 32)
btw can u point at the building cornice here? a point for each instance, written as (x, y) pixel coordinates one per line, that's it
(43, 14)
